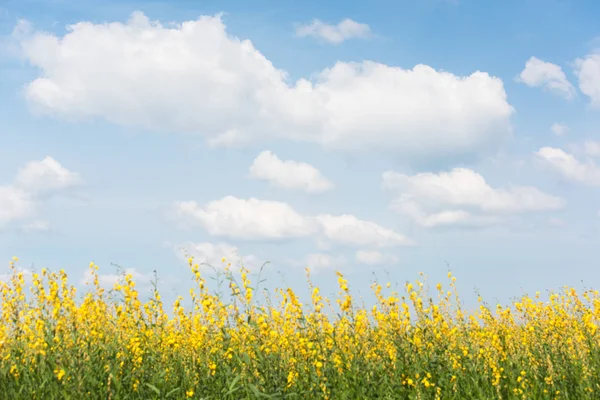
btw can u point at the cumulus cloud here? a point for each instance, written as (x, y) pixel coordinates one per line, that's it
(45, 177)
(568, 166)
(15, 204)
(587, 70)
(538, 73)
(559, 129)
(31, 186)
(288, 174)
(462, 197)
(246, 219)
(334, 34)
(374, 257)
(264, 219)
(350, 230)
(196, 78)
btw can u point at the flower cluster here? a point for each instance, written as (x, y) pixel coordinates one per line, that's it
(418, 344)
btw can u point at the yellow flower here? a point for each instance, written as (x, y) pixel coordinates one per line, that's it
(189, 393)
(59, 373)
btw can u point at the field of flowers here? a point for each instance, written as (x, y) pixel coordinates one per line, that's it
(56, 343)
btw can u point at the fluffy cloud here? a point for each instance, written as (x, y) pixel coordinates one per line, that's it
(264, 219)
(289, 174)
(374, 257)
(568, 166)
(31, 185)
(15, 204)
(538, 73)
(247, 219)
(350, 230)
(462, 197)
(559, 129)
(334, 34)
(587, 70)
(46, 177)
(196, 78)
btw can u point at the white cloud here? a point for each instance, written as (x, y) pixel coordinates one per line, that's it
(592, 148)
(264, 219)
(15, 204)
(462, 197)
(289, 174)
(45, 177)
(559, 129)
(196, 78)
(334, 34)
(374, 257)
(348, 229)
(21, 199)
(568, 166)
(587, 70)
(538, 73)
(247, 219)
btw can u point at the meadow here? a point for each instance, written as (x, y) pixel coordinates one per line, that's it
(416, 342)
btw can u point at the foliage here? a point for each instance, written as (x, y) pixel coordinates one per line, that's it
(410, 346)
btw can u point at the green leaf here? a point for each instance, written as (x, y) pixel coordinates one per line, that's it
(255, 390)
(232, 387)
(154, 388)
(172, 392)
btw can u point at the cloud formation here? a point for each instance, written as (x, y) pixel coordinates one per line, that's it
(289, 174)
(568, 166)
(587, 70)
(244, 219)
(196, 78)
(46, 177)
(334, 34)
(538, 73)
(254, 219)
(461, 197)
(34, 183)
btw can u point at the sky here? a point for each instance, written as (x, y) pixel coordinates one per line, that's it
(378, 139)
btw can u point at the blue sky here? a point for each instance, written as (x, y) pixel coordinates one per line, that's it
(124, 139)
